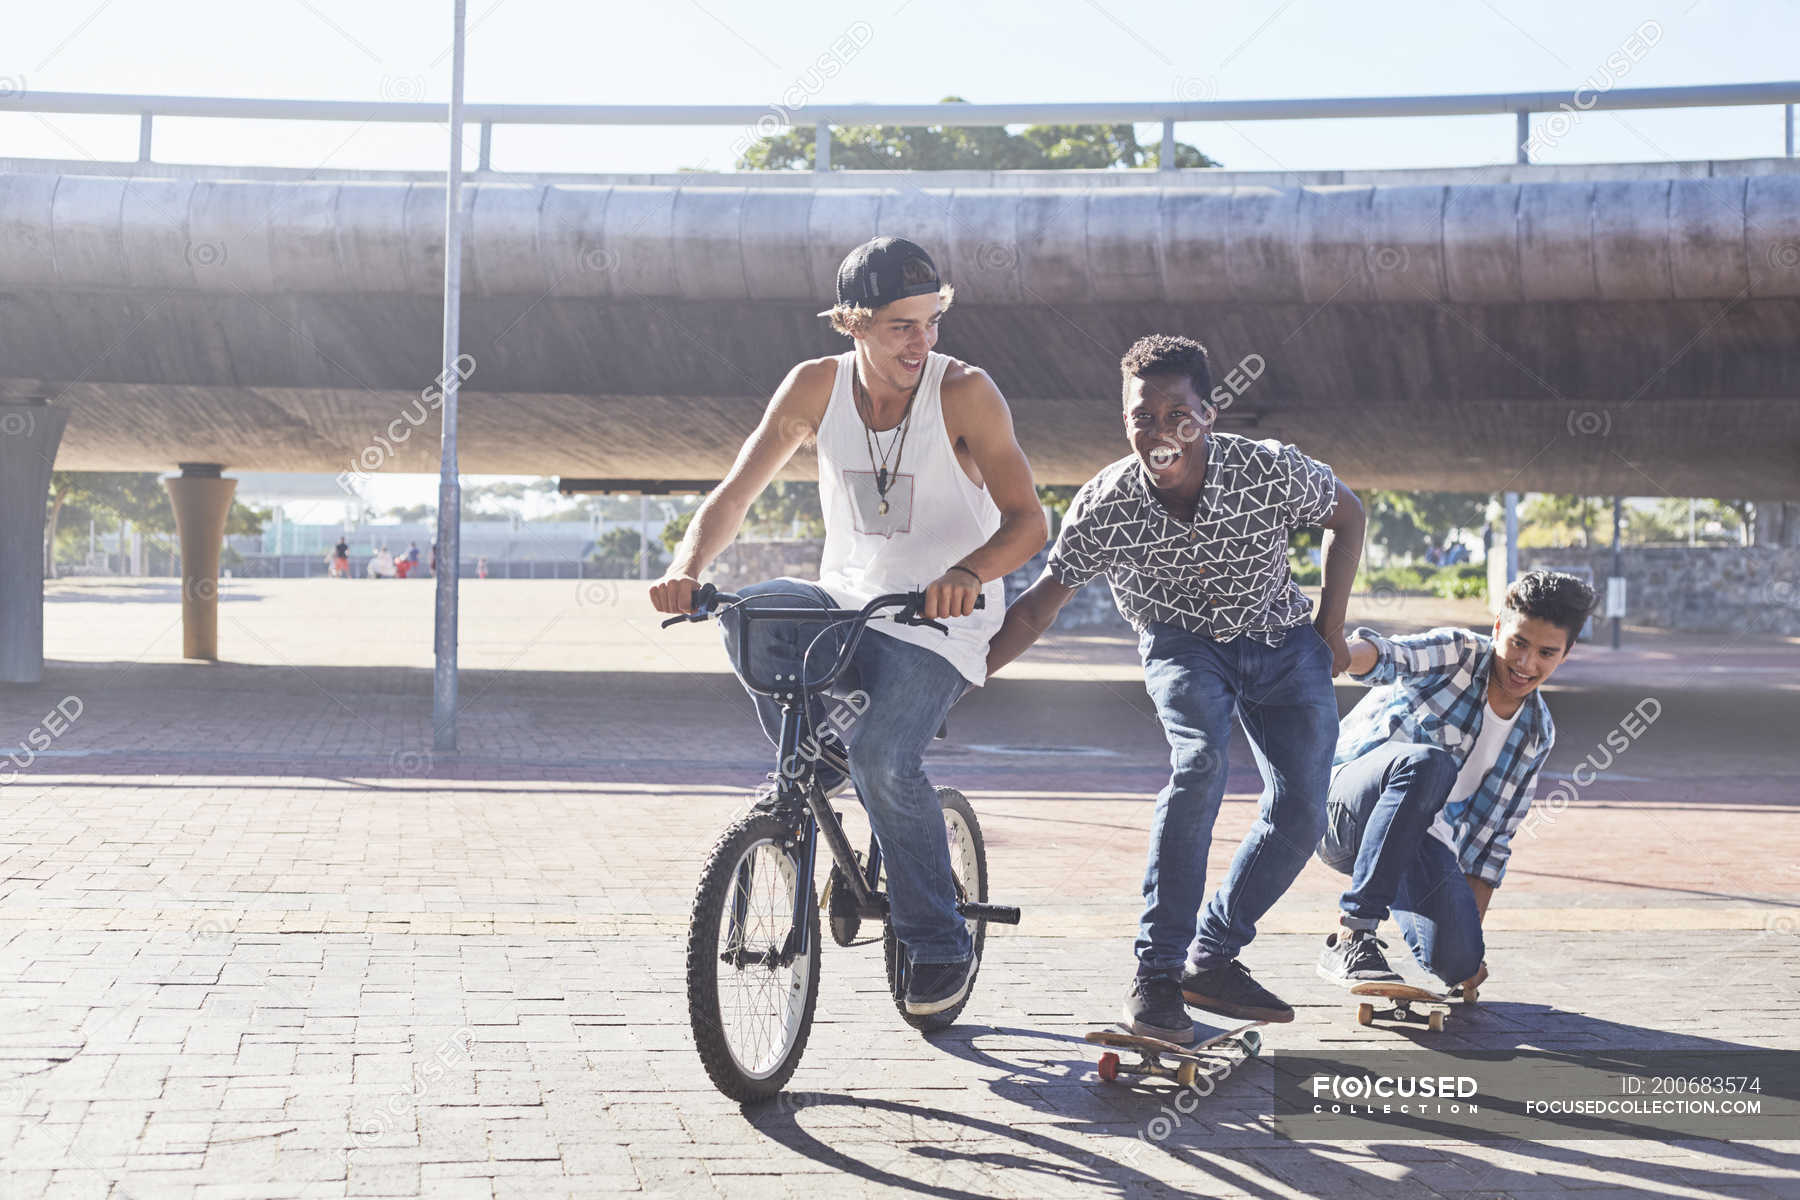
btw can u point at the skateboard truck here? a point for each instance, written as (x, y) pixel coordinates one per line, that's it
(1403, 996)
(1190, 1062)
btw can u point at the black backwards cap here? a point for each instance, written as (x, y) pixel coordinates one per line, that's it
(883, 270)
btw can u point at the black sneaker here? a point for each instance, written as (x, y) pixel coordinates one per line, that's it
(1353, 956)
(1230, 992)
(1153, 1009)
(933, 987)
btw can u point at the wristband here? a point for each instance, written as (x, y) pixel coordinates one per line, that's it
(969, 573)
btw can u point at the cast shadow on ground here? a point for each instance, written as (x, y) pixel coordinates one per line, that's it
(1225, 1137)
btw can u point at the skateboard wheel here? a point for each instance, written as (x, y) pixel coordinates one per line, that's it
(1471, 995)
(1365, 1014)
(1109, 1067)
(1187, 1073)
(1436, 1022)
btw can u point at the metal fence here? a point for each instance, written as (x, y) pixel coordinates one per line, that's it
(824, 117)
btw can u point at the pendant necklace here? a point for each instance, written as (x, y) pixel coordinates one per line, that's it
(884, 478)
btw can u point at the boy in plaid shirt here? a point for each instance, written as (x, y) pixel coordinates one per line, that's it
(1433, 773)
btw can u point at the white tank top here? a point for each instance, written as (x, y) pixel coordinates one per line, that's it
(936, 516)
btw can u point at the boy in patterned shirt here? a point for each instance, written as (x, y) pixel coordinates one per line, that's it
(1191, 529)
(1433, 774)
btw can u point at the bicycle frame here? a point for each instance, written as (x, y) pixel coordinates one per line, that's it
(798, 791)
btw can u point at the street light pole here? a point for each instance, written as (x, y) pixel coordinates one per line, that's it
(449, 514)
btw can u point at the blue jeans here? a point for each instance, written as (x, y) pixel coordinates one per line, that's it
(908, 692)
(1381, 806)
(1283, 697)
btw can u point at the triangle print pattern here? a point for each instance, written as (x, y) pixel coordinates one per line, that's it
(1225, 574)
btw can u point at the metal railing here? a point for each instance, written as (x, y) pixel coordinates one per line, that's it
(823, 117)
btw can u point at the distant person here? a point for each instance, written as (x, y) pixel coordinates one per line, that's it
(434, 558)
(1433, 774)
(340, 559)
(381, 564)
(1456, 555)
(481, 567)
(1433, 555)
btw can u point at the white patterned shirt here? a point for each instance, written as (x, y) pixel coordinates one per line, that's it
(1223, 575)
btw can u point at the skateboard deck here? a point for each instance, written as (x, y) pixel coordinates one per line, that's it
(1433, 1007)
(1191, 1062)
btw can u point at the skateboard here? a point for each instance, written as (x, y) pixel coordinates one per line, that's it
(1190, 1061)
(1404, 996)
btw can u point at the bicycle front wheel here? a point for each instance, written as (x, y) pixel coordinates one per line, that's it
(751, 990)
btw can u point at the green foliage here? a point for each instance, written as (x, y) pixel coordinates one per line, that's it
(1465, 581)
(1546, 519)
(975, 148)
(676, 529)
(1306, 574)
(789, 508)
(616, 553)
(109, 498)
(1405, 524)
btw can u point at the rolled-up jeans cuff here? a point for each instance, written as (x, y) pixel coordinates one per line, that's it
(1368, 923)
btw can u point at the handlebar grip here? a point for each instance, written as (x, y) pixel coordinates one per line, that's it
(703, 597)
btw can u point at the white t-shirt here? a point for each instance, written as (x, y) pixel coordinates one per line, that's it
(1482, 757)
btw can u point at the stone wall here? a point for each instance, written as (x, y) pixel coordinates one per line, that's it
(1724, 589)
(1091, 610)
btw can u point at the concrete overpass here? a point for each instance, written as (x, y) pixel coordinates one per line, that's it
(1592, 329)
(1595, 329)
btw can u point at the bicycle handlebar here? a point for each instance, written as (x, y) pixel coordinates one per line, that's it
(708, 599)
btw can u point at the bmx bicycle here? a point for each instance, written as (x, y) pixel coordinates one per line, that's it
(753, 944)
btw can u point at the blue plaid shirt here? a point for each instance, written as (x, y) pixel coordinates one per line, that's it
(1430, 689)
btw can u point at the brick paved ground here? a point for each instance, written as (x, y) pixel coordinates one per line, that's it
(260, 942)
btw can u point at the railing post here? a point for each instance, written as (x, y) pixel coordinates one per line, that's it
(1167, 161)
(487, 146)
(1790, 130)
(821, 147)
(1523, 137)
(144, 137)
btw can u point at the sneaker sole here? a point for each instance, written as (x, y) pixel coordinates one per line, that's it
(926, 1008)
(1274, 1016)
(1345, 981)
(1183, 1037)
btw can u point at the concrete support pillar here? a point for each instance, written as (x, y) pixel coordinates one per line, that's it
(202, 502)
(30, 431)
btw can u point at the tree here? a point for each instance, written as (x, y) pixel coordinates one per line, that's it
(787, 508)
(616, 553)
(974, 148)
(1548, 519)
(114, 497)
(1406, 523)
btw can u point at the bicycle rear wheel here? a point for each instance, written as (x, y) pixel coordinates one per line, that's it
(751, 994)
(968, 865)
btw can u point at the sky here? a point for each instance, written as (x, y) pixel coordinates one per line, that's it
(893, 51)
